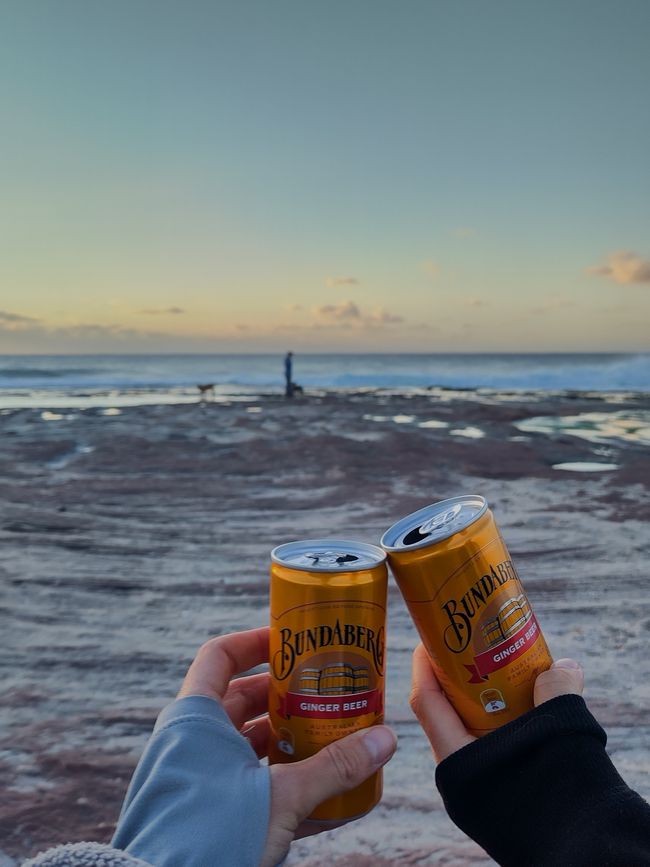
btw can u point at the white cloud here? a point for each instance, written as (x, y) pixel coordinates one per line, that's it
(334, 282)
(624, 267)
(162, 311)
(347, 314)
(381, 316)
(344, 311)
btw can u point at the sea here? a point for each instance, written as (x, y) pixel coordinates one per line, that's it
(42, 381)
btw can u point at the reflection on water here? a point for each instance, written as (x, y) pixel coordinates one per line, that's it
(596, 427)
(585, 467)
(473, 433)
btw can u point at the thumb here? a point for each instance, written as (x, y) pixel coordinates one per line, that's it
(339, 767)
(564, 677)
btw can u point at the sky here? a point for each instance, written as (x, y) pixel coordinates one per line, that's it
(349, 175)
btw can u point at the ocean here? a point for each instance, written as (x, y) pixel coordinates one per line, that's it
(123, 380)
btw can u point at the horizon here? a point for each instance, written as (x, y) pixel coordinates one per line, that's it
(334, 354)
(437, 178)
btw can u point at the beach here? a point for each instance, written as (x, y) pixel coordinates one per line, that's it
(132, 533)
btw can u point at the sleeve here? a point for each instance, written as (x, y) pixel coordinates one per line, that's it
(199, 795)
(542, 791)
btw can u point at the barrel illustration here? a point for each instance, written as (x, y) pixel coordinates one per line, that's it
(361, 679)
(337, 679)
(308, 683)
(510, 617)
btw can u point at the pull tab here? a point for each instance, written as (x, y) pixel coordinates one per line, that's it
(440, 521)
(330, 558)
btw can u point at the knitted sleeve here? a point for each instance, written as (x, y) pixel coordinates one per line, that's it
(84, 855)
(542, 791)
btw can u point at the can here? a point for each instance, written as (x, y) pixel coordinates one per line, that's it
(468, 604)
(327, 650)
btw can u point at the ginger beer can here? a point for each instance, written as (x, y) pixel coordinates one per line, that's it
(328, 622)
(468, 604)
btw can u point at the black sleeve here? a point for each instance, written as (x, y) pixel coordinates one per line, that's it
(542, 791)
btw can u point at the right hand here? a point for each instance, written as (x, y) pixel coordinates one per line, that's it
(442, 725)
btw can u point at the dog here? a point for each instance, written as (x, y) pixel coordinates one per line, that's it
(206, 391)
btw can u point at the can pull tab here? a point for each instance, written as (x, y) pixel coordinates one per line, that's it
(440, 521)
(330, 558)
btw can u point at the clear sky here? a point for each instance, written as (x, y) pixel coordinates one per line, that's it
(321, 175)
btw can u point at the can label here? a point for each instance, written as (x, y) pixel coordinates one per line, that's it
(484, 637)
(327, 673)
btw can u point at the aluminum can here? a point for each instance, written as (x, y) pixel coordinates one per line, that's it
(327, 648)
(468, 604)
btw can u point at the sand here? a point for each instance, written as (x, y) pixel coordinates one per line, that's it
(130, 537)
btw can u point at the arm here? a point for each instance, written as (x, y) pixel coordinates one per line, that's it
(198, 788)
(199, 795)
(541, 790)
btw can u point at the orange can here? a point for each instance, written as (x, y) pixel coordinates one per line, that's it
(466, 599)
(327, 646)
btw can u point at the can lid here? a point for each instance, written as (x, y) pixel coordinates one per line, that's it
(434, 523)
(328, 555)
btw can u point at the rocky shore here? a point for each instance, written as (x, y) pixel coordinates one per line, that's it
(130, 536)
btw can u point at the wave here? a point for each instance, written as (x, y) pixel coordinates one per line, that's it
(265, 372)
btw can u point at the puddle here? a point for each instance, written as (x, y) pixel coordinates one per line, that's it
(473, 433)
(434, 423)
(586, 467)
(596, 427)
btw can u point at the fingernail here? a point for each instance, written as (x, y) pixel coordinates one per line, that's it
(567, 663)
(380, 743)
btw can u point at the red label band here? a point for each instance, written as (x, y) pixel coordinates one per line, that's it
(330, 706)
(503, 654)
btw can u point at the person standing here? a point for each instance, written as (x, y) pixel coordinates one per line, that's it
(288, 374)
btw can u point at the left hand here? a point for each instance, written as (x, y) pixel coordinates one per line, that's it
(297, 788)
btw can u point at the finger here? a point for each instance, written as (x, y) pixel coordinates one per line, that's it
(336, 769)
(257, 732)
(564, 677)
(247, 697)
(442, 725)
(219, 659)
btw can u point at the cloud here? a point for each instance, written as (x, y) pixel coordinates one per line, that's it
(333, 282)
(431, 268)
(164, 311)
(381, 316)
(346, 310)
(624, 267)
(15, 319)
(347, 314)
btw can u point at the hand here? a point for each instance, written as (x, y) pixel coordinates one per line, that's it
(442, 725)
(298, 788)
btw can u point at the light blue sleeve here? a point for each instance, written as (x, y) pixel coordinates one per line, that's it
(199, 796)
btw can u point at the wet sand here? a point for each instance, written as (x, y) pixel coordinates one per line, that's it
(130, 537)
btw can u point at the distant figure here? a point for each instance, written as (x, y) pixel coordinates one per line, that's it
(206, 390)
(288, 375)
